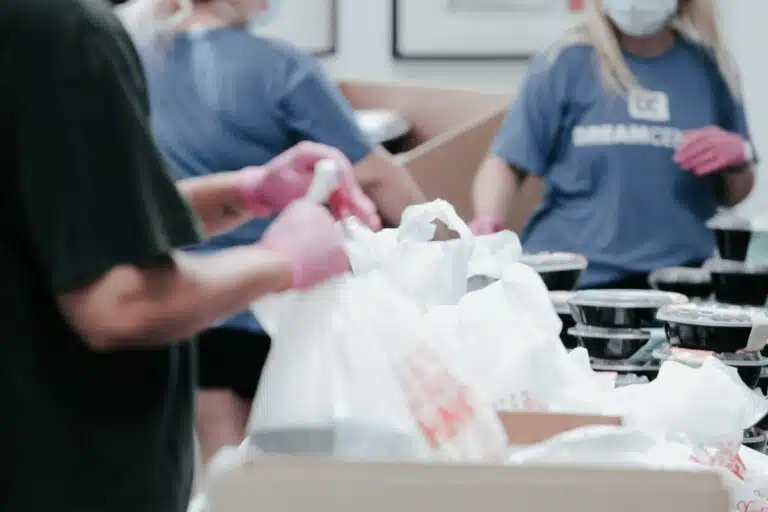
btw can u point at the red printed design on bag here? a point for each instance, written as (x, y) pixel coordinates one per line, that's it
(438, 401)
(726, 456)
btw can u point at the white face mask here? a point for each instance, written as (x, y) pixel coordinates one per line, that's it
(640, 18)
(265, 17)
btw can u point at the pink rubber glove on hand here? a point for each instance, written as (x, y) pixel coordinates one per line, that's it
(287, 178)
(711, 149)
(307, 236)
(486, 225)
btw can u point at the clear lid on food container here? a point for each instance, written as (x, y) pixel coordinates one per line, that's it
(589, 331)
(681, 275)
(709, 315)
(560, 301)
(754, 435)
(626, 298)
(728, 221)
(607, 365)
(717, 265)
(382, 125)
(696, 358)
(554, 261)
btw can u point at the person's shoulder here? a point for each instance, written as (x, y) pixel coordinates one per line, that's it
(562, 56)
(270, 49)
(57, 20)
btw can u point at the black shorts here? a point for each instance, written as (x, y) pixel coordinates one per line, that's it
(231, 359)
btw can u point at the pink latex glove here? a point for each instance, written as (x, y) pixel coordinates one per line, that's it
(308, 237)
(486, 225)
(287, 177)
(710, 149)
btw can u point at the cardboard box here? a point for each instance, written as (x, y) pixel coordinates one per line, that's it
(452, 133)
(297, 484)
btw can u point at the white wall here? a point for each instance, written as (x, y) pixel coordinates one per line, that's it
(365, 46)
(747, 30)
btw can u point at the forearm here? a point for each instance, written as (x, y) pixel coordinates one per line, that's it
(389, 185)
(738, 184)
(494, 189)
(217, 200)
(173, 299)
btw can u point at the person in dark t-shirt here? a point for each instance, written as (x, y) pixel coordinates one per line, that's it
(96, 384)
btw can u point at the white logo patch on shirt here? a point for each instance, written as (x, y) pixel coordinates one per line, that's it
(626, 135)
(648, 106)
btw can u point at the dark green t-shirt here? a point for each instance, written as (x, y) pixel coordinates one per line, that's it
(82, 189)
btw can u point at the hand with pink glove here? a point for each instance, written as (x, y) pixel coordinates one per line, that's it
(286, 178)
(712, 149)
(486, 225)
(307, 236)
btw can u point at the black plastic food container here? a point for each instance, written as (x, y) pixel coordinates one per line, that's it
(649, 370)
(560, 302)
(749, 365)
(733, 235)
(734, 282)
(560, 271)
(691, 282)
(755, 438)
(623, 309)
(610, 344)
(713, 327)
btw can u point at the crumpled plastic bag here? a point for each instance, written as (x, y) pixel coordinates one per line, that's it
(431, 272)
(356, 372)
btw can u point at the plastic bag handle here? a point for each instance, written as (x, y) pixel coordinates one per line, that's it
(324, 182)
(417, 224)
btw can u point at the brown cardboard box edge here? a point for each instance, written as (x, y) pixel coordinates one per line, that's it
(526, 428)
(452, 132)
(303, 484)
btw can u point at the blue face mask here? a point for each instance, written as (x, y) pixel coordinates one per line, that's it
(640, 18)
(265, 17)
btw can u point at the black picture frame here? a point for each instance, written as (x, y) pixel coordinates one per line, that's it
(399, 54)
(334, 46)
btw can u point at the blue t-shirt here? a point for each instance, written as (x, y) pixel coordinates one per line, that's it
(223, 99)
(613, 190)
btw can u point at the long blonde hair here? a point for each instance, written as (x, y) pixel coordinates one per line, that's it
(696, 20)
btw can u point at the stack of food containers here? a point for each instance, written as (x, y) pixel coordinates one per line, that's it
(733, 334)
(561, 272)
(615, 325)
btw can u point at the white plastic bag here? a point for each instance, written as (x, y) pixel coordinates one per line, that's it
(355, 371)
(430, 273)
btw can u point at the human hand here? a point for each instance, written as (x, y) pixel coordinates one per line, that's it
(486, 225)
(288, 176)
(309, 238)
(710, 149)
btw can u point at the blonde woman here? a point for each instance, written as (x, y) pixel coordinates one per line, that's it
(636, 125)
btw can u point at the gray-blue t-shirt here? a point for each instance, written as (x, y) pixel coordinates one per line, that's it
(223, 99)
(613, 190)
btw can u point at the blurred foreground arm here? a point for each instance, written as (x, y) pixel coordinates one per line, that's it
(388, 184)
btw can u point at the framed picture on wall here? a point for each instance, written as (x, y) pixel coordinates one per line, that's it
(478, 29)
(311, 25)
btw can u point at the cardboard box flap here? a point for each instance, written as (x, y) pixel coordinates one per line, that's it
(432, 111)
(299, 485)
